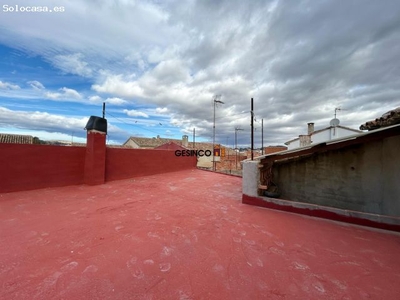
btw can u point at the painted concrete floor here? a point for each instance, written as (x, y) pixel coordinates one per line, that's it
(183, 235)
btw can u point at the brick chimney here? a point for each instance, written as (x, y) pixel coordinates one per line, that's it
(95, 157)
(310, 128)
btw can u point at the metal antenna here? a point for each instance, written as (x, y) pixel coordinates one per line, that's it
(236, 148)
(337, 109)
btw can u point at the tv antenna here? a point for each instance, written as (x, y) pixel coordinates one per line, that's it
(335, 121)
(337, 109)
(216, 100)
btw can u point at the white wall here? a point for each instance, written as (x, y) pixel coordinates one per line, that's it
(324, 136)
(294, 144)
(131, 144)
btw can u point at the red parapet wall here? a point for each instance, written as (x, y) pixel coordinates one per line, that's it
(95, 159)
(27, 167)
(128, 163)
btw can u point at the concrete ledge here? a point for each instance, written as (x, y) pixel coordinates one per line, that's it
(336, 214)
(218, 172)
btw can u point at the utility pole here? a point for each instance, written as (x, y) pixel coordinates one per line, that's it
(236, 148)
(252, 128)
(104, 109)
(194, 138)
(215, 102)
(262, 136)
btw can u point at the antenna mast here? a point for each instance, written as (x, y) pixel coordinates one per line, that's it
(336, 109)
(216, 100)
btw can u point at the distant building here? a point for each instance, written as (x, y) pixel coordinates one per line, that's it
(17, 139)
(164, 143)
(334, 131)
(170, 146)
(274, 149)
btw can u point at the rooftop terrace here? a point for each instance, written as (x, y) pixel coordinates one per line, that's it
(183, 235)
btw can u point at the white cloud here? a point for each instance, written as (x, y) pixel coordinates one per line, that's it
(40, 120)
(65, 94)
(36, 85)
(52, 95)
(51, 123)
(116, 101)
(135, 113)
(95, 99)
(8, 86)
(70, 93)
(72, 63)
(115, 84)
(160, 110)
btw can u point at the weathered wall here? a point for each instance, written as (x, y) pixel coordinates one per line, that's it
(274, 149)
(363, 178)
(25, 167)
(230, 162)
(251, 178)
(127, 163)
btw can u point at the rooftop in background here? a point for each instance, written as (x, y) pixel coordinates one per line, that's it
(332, 132)
(151, 143)
(392, 117)
(336, 143)
(16, 138)
(183, 236)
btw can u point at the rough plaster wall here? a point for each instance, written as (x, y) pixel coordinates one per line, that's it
(251, 178)
(391, 173)
(131, 144)
(204, 162)
(364, 178)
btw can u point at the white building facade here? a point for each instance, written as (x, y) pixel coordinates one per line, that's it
(319, 136)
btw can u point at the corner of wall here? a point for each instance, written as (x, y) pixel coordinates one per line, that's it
(251, 177)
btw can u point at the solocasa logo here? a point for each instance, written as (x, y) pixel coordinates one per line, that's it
(198, 153)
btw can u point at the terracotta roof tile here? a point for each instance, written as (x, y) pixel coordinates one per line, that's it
(15, 138)
(392, 117)
(157, 141)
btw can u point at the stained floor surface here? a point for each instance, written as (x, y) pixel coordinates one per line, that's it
(183, 235)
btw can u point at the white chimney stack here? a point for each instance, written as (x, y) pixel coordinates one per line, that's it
(310, 128)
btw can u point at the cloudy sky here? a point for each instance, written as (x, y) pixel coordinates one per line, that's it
(159, 64)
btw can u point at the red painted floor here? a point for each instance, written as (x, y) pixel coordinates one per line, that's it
(183, 235)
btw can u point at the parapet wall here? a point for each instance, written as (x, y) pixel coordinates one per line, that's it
(27, 167)
(354, 180)
(127, 163)
(362, 178)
